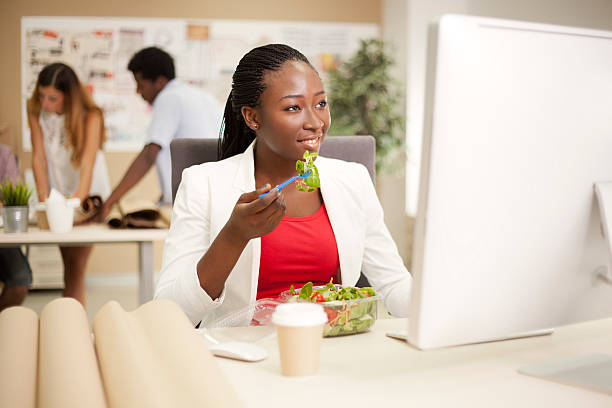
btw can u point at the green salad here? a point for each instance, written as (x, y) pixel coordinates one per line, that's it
(349, 310)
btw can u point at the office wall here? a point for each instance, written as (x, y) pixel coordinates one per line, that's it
(117, 259)
(392, 182)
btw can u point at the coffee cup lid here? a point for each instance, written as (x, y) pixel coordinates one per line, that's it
(299, 315)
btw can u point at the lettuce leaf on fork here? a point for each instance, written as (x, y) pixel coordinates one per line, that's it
(302, 167)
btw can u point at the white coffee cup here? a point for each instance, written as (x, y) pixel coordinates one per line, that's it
(60, 214)
(299, 328)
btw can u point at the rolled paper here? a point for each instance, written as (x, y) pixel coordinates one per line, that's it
(153, 357)
(68, 374)
(18, 357)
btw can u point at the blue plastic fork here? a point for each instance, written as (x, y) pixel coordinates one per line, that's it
(291, 180)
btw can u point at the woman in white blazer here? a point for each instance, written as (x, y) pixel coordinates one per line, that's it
(227, 244)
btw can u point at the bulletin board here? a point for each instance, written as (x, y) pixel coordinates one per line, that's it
(205, 53)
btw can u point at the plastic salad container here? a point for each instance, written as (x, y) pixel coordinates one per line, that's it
(345, 316)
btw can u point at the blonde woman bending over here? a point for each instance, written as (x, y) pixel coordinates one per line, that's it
(67, 130)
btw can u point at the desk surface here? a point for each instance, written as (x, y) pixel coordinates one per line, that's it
(94, 233)
(373, 369)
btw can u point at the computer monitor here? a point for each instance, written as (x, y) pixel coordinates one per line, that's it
(518, 128)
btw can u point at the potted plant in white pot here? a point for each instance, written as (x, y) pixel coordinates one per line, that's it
(14, 199)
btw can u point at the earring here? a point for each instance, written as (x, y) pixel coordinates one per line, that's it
(255, 126)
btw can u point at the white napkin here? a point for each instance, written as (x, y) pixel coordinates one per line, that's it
(55, 196)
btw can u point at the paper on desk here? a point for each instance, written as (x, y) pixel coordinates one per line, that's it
(68, 374)
(18, 357)
(152, 357)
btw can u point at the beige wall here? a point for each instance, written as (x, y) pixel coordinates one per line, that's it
(391, 183)
(123, 258)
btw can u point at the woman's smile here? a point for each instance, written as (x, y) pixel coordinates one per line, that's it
(311, 142)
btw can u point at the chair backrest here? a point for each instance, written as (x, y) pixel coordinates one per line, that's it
(188, 152)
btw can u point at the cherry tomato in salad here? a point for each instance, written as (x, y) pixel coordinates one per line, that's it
(365, 292)
(317, 297)
(331, 314)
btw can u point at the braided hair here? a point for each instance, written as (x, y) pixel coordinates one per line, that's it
(247, 87)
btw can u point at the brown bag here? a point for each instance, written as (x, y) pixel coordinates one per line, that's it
(139, 214)
(90, 207)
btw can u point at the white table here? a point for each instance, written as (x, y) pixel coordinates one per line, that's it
(373, 370)
(98, 234)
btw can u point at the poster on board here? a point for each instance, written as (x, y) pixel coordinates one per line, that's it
(205, 54)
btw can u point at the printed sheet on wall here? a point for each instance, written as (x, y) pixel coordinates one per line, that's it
(205, 53)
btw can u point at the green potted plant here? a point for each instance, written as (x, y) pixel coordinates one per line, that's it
(364, 99)
(14, 199)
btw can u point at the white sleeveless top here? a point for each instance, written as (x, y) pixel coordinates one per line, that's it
(62, 175)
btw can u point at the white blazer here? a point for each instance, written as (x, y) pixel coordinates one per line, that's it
(204, 202)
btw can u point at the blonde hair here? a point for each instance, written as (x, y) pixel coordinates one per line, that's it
(77, 104)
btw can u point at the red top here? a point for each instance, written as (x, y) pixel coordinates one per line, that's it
(299, 250)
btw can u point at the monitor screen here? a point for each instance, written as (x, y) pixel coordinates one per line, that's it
(518, 128)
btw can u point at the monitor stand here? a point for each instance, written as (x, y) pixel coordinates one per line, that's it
(603, 192)
(592, 371)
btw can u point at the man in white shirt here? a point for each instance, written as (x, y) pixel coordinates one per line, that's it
(179, 110)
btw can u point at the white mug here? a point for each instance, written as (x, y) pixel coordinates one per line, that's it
(60, 214)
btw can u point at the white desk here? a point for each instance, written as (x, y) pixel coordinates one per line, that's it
(98, 234)
(372, 370)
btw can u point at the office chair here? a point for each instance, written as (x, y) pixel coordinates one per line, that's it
(188, 152)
